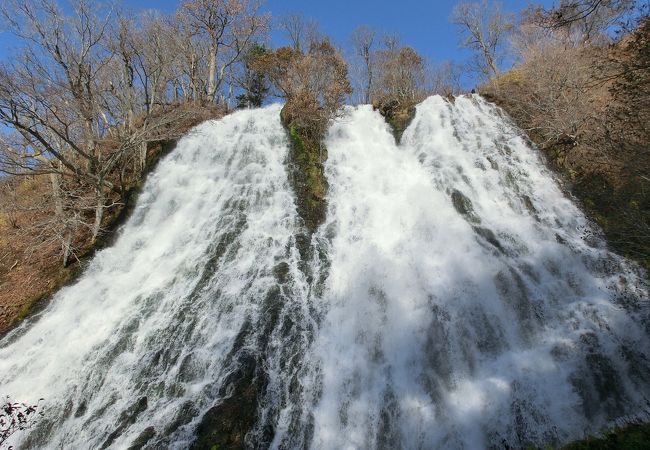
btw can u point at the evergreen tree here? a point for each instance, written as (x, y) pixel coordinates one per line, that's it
(254, 83)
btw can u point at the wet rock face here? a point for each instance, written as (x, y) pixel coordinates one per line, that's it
(127, 418)
(489, 236)
(463, 206)
(306, 174)
(225, 425)
(144, 437)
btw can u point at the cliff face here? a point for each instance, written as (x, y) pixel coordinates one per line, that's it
(306, 157)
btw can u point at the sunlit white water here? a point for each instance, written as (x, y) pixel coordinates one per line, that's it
(458, 300)
(499, 325)
(156, 316)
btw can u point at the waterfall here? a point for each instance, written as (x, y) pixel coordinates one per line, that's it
(454, 298)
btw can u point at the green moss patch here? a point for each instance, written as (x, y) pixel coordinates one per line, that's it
(398, 117)
(306, 158)
(635, 436)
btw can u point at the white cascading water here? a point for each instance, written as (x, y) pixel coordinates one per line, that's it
(454, 298)
(144, 338)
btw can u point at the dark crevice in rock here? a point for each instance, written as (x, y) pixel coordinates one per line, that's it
(230, 423)
(127, 418)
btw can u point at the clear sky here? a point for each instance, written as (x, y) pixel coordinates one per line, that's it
(422, 24)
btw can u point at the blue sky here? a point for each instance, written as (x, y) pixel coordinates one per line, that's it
(422, 24)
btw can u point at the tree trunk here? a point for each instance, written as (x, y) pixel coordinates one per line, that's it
(99, 213)
(193, 89)
(212, 67)
(152, 99)
(90, 146)
(175, 87)
(56, 192)
(143, 156)
(369, 70)
(67, 246)
(60, 217)
(231, 94)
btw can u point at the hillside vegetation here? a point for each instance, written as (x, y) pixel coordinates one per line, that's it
(36, 255)
(585, 102)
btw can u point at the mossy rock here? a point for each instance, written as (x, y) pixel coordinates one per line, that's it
(635, 436)
(306, 173)
(399, 117)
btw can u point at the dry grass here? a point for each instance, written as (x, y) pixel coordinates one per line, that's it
(27, 271)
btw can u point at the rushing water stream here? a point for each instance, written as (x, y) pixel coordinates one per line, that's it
(455, 298)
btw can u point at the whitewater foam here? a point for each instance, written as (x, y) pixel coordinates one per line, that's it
(454, 298)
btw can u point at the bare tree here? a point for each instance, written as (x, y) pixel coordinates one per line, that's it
(363, 40)
(584, 20)
(51, 94)
(300, 31)
(557, 80)
(314, 84)
(229, 26)
(141, 76)
(391, 41)
(84, 97)
(484, 28)
(191, 52)
(153, 65)
(401, 77)
(444, 78)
